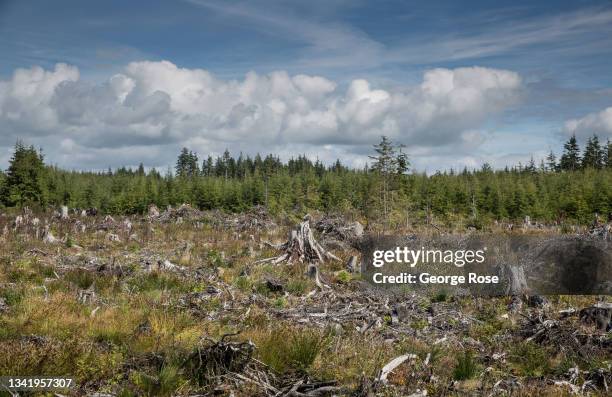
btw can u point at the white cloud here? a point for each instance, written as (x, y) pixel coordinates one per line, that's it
(157, 105)
(28, 94)
(599, 123)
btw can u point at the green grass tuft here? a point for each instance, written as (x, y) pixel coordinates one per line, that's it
(466, 366)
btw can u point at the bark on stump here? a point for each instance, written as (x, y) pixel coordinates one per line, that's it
(301, 247)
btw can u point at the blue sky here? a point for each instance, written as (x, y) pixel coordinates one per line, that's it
(460, 83)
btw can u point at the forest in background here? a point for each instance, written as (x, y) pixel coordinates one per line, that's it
(572, 188)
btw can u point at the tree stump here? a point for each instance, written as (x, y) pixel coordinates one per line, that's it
(353, 265)
(301, 247)
(313, 273)
(515, 280)
(599, 314)
(64, 214)
(153, 211)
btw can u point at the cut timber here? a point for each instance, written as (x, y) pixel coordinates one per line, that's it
(301, 247)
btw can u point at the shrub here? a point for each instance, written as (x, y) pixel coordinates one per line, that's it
(440, 297)
(243, 283)
(280, 302)
(12, 295)
(466, 367)
(81, 278)
(297, 286)
(164, 384)
(286, 350)
(343, 276)
(215, 258)
(530, 359)
(69, 241)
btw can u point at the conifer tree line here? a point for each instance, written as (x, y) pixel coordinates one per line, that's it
(573, 187)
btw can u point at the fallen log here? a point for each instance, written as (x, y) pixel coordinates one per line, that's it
(391, 365)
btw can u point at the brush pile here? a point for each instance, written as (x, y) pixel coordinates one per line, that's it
(217, 364)
(335, 230)
(171, 215)
(256, 218)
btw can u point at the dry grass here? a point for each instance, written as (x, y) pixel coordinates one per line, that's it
(132, 335)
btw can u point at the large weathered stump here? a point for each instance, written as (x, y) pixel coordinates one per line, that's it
(301, 247)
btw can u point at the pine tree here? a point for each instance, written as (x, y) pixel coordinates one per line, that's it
(593, 154)
(570, 159)
(402, 161)
(208, 167)
(187, 164)
(385, 162)
(226, 163)
(385, 165)
(608, 154)
(182, 163)
(389, 161)
(551, 162)
(24, 182)
(193, 168)
(141, 170)
(531, 167)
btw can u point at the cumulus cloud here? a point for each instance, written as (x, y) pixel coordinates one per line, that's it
(599, 123)
(157, 104)
(27, 96)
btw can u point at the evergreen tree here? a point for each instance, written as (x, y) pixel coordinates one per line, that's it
(551, 162)
(193, 168)
(25, 178)
(570, 159)
(593, 154)
(302, 185)
(141, 170)
(384, 165)
(182, 163)
(402, 161)
(389, 161)
(208, 167)
(226, 163)
(531, 167)
(385, 162)
(187, 164)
